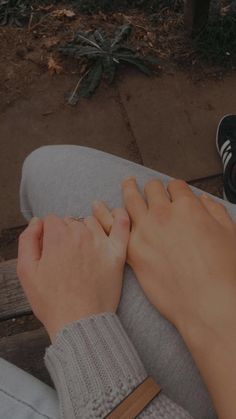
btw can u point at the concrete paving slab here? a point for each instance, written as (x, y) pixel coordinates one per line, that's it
(174, 121)
(43, 118)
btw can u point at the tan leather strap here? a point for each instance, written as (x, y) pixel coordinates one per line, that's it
(134, 404)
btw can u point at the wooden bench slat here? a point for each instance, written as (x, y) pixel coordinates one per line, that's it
(12, 298)
(26, 350)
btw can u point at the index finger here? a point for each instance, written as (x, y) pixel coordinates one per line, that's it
(133, 200)
(178, 189)
(29, 249)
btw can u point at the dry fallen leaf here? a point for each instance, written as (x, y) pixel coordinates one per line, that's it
(51, 42)
(63, 13)
(45, 8)
(53, 67)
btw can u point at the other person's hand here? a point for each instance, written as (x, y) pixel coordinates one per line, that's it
(182, 249)
(72, 269)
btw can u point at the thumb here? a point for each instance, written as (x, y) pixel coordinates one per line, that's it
(29, 249)
(120, 230)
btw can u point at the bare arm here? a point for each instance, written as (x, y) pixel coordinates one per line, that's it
(213, 348)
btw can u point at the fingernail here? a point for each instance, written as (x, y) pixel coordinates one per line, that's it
(205, 196)
(34, 220)
(96, 203)
(127, 178)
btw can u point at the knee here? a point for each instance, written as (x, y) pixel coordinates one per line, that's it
(48, 156)
(35, 157)
(38, 155)
(43, 157)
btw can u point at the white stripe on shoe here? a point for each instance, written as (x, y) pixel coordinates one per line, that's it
(224, 147)
(227, 160)
(226, 153)
(218, 128)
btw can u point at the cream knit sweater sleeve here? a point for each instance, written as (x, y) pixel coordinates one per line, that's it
(94, 366)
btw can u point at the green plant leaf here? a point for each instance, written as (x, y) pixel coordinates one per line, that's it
(109, 67)
(151, 60)
(14, 12)
(89, 52)
(136, 62)
(122, 33)
(124, 50)
(93, 79)
(100, 37)
(84, 38)
(102, 59)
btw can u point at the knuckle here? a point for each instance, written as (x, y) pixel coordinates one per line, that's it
(118, 257)
(91, 219)
(124, 220)
(98, 206)
(129, 187)
(121, 213)
(53, 225)
(150, 183)
(83, 228)
(178, 183)
(129, 180)
(129, 192)
(162, 212)
(51, 217)
(187, 203)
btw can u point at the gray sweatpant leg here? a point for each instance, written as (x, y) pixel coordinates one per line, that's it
(23, 396)
(65, 180)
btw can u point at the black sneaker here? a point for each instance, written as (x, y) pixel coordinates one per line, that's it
(226, 146)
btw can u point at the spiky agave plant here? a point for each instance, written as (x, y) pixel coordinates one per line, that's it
(104, 56)
(14, 12)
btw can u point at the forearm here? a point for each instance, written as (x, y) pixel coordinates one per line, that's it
(94, 366)
(214, 351)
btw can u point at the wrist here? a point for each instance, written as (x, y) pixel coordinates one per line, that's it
(213, 348)
(211, 314)
(208, 329)
(54, 325)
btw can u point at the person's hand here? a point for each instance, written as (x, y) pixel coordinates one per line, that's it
(71, 269)
(182, 249)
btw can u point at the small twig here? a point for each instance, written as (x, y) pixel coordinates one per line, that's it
(38, 23)
(141, 27)
(134, 24)
(70, 100)
(30, 21)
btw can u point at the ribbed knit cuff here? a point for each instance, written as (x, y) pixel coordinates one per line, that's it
(164, 408)
(94, 366)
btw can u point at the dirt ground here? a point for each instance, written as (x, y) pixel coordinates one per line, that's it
(166, 122)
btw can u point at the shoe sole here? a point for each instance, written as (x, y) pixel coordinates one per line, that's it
(217, 133)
